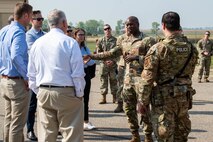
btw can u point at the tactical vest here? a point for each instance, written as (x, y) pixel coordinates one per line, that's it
(173, 56)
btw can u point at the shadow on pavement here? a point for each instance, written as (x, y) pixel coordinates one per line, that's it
(201, 112)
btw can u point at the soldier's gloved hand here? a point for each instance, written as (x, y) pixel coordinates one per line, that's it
(129, 58)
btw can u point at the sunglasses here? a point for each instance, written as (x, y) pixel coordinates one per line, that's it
(107, 29)
(38, 19)
(69, 31)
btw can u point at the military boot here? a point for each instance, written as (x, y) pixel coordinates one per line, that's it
(135, 137)
(199, 80)
(103, 101)
(119, 108)
(148, 138)
(206, 79)
(114, 99)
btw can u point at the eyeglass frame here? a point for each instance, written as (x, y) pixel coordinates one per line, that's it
(108, 28)
(38, 19)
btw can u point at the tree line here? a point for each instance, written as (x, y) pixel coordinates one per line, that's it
(95, 27)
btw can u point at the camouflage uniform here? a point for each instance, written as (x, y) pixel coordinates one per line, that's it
(121, 71)
(205, 60)
(107, 72)
(135, 46)
(171, 98)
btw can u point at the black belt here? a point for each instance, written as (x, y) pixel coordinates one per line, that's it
(52, 86)
(11, 77)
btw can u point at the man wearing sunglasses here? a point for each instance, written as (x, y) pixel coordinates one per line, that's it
(108, 67)
(205, 48)
(31, 36)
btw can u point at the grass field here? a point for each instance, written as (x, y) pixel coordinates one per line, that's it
(91, 46)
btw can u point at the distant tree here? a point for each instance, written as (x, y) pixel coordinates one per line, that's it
(70, 24)
(92, 27)
(100, 27)
(81, 25)
(45, 26)
(119, 27)
(155, 28)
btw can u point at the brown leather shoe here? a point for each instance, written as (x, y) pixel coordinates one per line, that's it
(31, 136)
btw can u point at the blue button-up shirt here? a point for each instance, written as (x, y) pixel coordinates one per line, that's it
(13, 51)
(32, 35)
(86, 51)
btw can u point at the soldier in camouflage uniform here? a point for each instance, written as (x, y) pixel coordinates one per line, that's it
(205, 48)
(171, 96)
(133, 49)
(107, 68)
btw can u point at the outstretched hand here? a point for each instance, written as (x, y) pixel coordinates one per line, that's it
(86, 58)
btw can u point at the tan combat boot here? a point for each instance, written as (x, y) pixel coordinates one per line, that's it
(119, 108)
(206, 79)
(148, 138)
(135, 137)
(103, 101)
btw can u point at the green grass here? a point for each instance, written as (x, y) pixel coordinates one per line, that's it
(91, 46)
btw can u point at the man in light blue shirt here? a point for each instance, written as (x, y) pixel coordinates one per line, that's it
(31, 36)
(13, 70)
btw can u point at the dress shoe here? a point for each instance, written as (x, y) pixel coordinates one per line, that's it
(31, 136)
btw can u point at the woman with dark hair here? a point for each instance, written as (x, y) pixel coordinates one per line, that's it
(79, 35)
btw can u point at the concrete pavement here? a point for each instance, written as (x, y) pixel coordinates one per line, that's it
(113, 127)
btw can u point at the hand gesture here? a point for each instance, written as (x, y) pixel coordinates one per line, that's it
(86, 59)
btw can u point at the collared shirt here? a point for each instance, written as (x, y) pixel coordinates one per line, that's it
(86, 51)
(55, 59)
(13, 51)
(32, 35)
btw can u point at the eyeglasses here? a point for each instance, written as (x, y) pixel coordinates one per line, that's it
(69, 31)
(107, 29)
(38, 19)
(80, 34)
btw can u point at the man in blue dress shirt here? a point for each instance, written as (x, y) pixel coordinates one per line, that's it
(31, 36)
(13, 70)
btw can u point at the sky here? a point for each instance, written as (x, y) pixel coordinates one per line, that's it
(193, 13)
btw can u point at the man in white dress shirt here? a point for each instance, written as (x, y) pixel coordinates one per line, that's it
(56, 75)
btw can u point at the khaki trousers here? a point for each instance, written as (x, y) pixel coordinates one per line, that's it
(59, 110)
(17, 101)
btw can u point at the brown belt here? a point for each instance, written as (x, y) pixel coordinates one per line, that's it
(11, 77)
